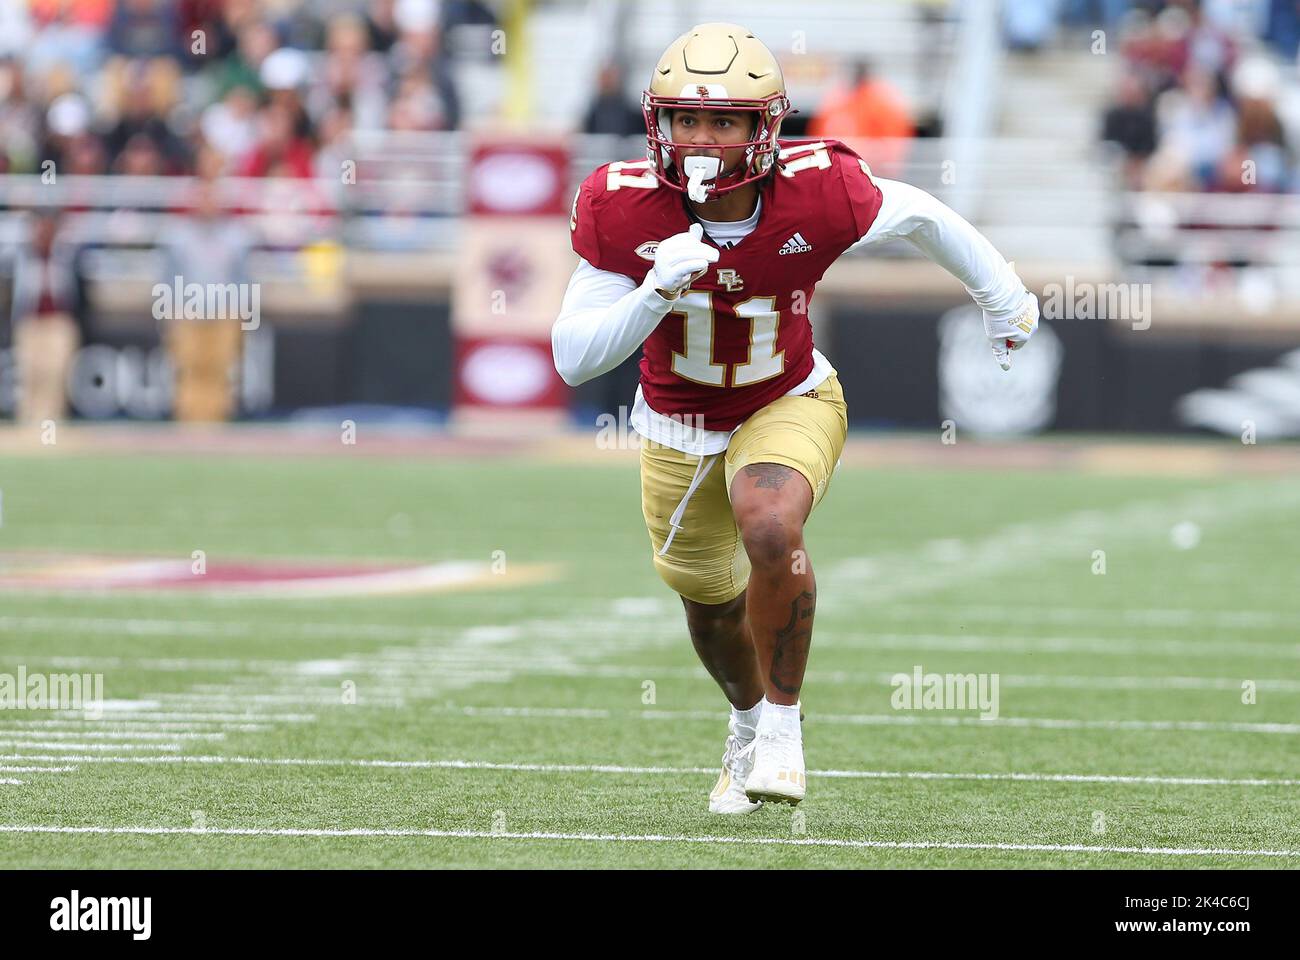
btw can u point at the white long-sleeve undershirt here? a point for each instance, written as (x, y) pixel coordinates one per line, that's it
(603, 319)
(606, 316)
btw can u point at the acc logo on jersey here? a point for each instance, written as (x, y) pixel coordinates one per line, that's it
(647, 250)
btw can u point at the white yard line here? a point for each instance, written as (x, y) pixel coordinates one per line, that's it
(410, 666)
(1106, 646)
(574, 630)
(128, 736)
(170, 700)
(1136, 526)
(19, 769)
(325, 698)
(132, 626)
(409, 671)
(620, 769)
(1098, 682)
(1028, 613)
(580, 713)
(197, 717)
(128, 725)
(646, 838)
(165, 664)
(1055, 723)
(62, 745)
(1071, 681)
(901, 718)
(10, 782)
(469, 666)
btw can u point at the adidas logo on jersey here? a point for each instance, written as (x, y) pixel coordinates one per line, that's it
(796, 244)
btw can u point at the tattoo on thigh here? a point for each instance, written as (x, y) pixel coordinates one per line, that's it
(790, 652)
(772, 475)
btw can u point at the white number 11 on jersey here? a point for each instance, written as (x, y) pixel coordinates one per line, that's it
(696, 363)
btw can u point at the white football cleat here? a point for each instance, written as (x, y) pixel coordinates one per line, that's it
(777, 775)
(728, 794)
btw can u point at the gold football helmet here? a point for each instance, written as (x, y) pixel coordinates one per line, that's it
(715, 66)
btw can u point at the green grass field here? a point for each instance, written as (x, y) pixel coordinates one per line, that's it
(552, 713)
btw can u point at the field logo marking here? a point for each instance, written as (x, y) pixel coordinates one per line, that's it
(277, 579)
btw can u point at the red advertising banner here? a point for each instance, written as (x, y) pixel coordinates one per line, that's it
(515, 263)
(519, 178)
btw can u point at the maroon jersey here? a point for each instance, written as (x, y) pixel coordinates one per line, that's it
(739, 337)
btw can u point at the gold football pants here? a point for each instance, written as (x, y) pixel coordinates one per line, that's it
(706, 560)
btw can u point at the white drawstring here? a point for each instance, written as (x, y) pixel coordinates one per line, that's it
(675, 521)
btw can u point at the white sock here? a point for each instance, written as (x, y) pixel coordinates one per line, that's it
(779, 718)
(745, 722)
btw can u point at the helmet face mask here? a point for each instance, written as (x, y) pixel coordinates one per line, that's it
(760, 148)
(717, 67)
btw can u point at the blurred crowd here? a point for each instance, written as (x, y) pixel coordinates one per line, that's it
(236, 87)
(859, 103)
(273, 87)
(1200, 102)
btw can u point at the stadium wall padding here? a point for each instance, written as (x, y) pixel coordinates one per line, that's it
(893, 363)
(382, 352)
(1110, 377)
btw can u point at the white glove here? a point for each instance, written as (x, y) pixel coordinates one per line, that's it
(681, 259)
(1012, 333)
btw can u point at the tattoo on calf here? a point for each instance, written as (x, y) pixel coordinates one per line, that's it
(772, 475)
(790, 652)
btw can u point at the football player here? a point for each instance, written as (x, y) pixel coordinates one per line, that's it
(705, 255)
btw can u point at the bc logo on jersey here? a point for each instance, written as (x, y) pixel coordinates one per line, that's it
(731, 280)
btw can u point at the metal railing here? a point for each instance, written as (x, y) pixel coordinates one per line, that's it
(1037, 199)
